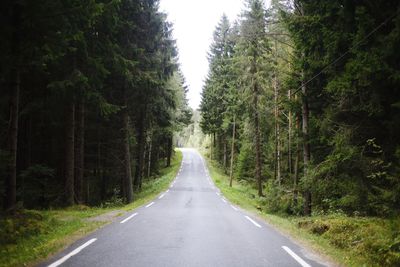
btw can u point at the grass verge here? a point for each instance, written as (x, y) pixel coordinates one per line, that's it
(347, 241)
(31, 235)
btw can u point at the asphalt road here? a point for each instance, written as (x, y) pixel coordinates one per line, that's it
(190, 224)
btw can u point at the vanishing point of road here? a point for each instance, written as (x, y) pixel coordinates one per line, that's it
(190, 224)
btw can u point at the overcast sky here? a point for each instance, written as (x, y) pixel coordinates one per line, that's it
(194, 22)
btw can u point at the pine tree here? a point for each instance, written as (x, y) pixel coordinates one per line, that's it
(254, 47)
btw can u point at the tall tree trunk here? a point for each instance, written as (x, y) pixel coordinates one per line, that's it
(128, 188)
(296, 164)
(79, 151)
(257, 141)
(215, 147)
(278, 155)
(277, 126)
(103, 189)
(290, 136)
(24, 153)
(141, 133)
(149, 157)
(98, 172)
(277, 132)
(211, 148)
(69, 153)
(306, 148)
(225, 151)
(11, 178)
(169, 150)
(232, 151)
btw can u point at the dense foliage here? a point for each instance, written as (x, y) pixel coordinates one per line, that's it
(305, 95)
(91, 97)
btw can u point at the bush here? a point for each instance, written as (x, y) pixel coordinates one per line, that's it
(277, 200)
(115, 201)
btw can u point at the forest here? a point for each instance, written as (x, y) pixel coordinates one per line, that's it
(91, 96)
(302, 100)
(299, 125)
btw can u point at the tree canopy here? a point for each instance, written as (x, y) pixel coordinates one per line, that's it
(312, 88)
(92, 97)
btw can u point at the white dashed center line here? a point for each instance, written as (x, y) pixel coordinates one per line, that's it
(149, 205)
(297, 258)
(251, 220)
(72, 253)
(130, 217)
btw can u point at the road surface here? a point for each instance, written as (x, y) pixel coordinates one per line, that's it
(190, 224)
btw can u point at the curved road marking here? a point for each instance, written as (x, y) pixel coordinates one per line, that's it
(251, 220)
(297, 258)
(130, 217)
(72, 253)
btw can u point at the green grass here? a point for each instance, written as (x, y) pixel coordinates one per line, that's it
(31, 236)
(347, 241)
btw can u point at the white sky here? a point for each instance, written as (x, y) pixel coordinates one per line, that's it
(194, 23)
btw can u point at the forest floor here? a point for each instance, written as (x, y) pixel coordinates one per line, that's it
(341, 240)
(31, 236)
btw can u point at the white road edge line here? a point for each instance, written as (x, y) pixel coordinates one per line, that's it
(233, 207)
(160, 197)
(297, 258)
(149, 205)
(251, 220)
(72, 253)
(224, 200)
(167, 191)
(217, 193)
(130, 217)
